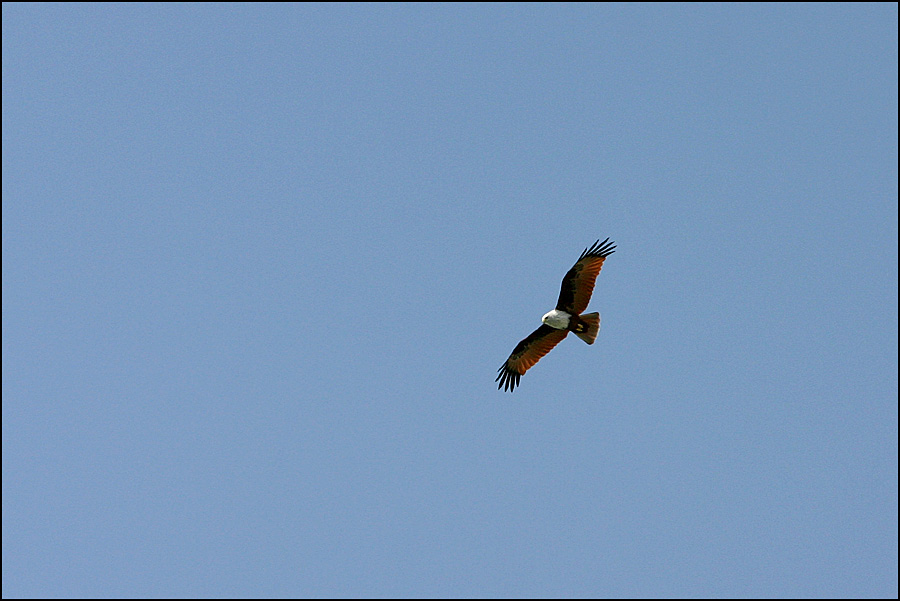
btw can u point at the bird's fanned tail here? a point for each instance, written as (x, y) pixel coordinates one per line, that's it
(593, 327)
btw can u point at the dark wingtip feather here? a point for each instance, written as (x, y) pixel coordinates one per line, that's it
(508, 379)
(599, 249)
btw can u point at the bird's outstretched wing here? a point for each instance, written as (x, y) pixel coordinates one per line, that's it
(527, 353)
(578, 284)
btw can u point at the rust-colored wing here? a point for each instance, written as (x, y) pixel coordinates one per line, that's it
(578, 284)
(527, 353)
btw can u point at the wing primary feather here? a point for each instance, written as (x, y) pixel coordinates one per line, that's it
(601, 249)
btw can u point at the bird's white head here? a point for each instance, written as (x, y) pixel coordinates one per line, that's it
(556, 319)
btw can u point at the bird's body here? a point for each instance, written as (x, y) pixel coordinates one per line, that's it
(574, 296)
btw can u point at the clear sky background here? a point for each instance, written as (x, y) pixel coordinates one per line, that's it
(262, 262)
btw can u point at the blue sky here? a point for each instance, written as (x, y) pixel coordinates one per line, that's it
(262, 262)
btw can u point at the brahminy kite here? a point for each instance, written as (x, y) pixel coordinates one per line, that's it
(574, 297)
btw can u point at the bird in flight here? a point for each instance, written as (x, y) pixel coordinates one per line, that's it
(574, 297)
